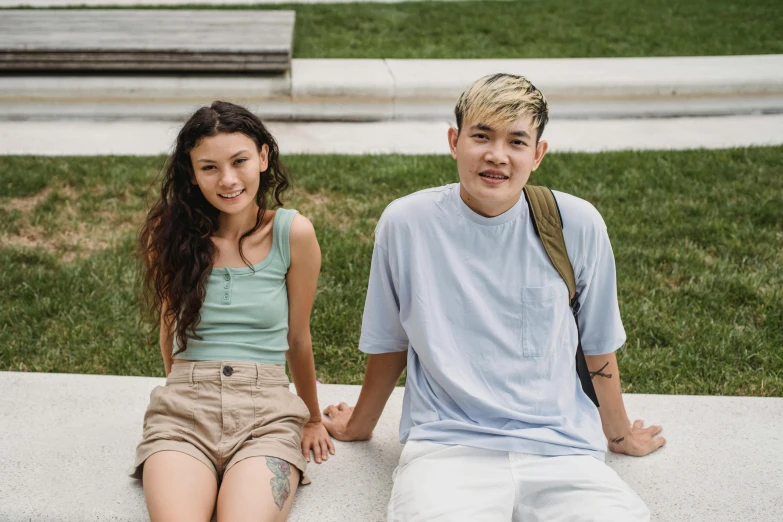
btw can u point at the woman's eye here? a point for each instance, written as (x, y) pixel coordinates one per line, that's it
(240, 160)
(207, 167)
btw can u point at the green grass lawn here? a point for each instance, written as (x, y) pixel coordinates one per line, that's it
(698, 238)
(522, 29)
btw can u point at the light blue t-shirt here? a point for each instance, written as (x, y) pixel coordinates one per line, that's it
(484, 316)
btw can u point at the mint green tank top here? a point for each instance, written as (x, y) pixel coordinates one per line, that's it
(245, 312)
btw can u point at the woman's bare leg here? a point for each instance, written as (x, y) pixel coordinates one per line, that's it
(178, 488)
(257, 489)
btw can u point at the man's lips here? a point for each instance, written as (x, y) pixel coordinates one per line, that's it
(493, 175)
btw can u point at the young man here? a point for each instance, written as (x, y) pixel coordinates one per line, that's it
(495, 421)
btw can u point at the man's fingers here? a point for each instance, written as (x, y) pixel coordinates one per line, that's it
(654, 430)
(638, 423)
(330, 444)
(659, 441)
(329, 409)
(306, 451)
(342, 406)
(328, 425)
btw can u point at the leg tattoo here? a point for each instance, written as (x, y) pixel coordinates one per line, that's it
(607, 375)
(281, 487)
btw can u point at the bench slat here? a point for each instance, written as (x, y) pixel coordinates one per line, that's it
(154, 39)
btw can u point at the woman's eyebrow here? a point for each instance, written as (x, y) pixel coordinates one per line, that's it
(205, 160)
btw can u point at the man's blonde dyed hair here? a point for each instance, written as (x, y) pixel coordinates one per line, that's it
(500, 99)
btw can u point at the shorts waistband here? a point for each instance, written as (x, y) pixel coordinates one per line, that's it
(219, 371)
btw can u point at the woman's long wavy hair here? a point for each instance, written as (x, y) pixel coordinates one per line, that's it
(175, 242)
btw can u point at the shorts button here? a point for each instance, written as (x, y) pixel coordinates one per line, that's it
(227, 277)
(227, 371)
(227, 286)
(225, 297)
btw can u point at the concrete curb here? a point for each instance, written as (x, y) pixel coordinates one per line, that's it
(377, 90)
(73, 437)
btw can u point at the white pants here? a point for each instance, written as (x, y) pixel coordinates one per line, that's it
(434, 482)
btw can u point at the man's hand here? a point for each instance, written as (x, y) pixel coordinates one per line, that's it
(337, 425)
(316, 438)
(638, 441)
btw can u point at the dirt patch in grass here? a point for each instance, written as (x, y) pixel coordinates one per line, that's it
(71, 244)
(28, 204)
(308, 204)
(88, 233)
(342, 215)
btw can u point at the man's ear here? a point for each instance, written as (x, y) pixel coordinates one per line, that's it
(453, 135)
(541, 149)
(264, 157)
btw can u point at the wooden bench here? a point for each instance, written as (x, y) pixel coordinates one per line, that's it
(154, 40)
(67, 441)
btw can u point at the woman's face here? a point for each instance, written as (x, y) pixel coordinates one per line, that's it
(227, 168)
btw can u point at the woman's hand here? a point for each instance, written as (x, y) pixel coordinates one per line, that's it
(315, 438)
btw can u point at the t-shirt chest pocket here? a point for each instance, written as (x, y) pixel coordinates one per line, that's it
(543, 310)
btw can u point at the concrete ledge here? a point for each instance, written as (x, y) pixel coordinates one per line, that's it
(372, 90)
(341, 90)
(603, 87)
(66, 442)
(145, 97)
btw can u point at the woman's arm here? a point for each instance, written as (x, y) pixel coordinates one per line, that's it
(623, 437)
(166, 339)
(301, 281)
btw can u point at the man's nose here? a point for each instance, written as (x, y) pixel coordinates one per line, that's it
(497, 153)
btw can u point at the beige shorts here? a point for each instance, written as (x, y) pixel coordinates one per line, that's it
(224, 412)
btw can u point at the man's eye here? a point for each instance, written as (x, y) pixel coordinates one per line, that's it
(480, 136)
(518, 142)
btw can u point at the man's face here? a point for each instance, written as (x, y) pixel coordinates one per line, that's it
(495, 162)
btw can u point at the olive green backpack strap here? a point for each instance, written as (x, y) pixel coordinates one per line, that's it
(548, 225)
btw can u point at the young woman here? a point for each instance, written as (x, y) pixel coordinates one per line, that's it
(233, 282)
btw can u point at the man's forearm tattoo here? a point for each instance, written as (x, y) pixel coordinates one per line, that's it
(617, 440)
(599, 372)
(281, 487)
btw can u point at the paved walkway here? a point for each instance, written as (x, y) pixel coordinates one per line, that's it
(66, 442)
(57, 138)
